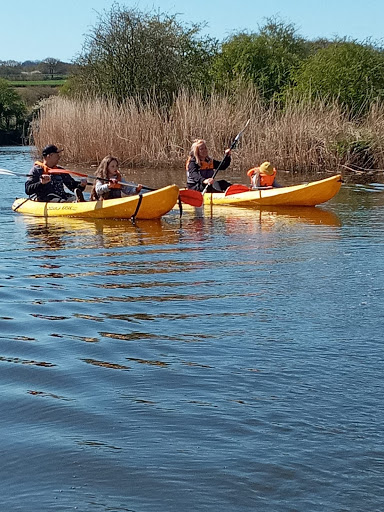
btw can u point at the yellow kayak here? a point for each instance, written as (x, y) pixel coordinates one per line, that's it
(151, 205)
(308, 194)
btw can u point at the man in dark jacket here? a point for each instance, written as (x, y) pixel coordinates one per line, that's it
(46, 187)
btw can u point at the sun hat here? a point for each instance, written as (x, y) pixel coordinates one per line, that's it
(266, 169)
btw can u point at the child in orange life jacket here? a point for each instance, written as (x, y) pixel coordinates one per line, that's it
(109, 187)
(201, 167)
(263, 176)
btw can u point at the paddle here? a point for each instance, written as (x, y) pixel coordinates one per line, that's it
(191, 197)
(7, 172)
(236, 188)
(11, 173)
(232, 146)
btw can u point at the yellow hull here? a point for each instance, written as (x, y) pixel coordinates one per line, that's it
(153, 206)
(309, 194)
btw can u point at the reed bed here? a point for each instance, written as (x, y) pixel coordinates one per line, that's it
(302, 137)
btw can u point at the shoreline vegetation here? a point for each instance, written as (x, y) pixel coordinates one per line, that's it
(308, 136)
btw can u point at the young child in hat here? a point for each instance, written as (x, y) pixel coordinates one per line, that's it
(263, 176)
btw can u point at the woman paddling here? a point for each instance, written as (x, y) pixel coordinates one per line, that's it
(201, 167)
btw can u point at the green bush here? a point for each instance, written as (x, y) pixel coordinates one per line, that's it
(12, 108)
(356, 152)
(349, 72)
(266, 58)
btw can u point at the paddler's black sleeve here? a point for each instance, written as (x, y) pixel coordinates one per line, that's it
(226, 162)
(33, 184)
(194, 177)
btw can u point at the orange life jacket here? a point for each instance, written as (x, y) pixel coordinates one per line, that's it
(265, 180)
(204, 166)
(113, 193)
(45, 167)
(117, 177)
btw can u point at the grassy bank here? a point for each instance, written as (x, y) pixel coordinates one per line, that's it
(304, 137)
(37, 83)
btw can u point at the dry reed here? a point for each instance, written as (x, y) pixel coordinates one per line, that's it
(303, 137)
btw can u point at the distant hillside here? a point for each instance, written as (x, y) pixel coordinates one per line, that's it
(49, 72)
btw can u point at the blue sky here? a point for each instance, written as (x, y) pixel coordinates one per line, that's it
(34, 30)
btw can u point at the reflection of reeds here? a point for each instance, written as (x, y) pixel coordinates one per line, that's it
(305, 137)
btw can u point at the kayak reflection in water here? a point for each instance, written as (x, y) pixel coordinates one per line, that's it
(201, 167)
(263, 176)
(109, 185)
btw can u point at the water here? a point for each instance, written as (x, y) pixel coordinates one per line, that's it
(224, 362)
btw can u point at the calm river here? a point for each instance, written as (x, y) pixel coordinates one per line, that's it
(226, 362)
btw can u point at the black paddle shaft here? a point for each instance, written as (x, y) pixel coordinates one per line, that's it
(232, 146)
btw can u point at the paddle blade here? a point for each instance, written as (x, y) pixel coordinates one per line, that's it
(8, 173)
(236, 189)
(192, 197)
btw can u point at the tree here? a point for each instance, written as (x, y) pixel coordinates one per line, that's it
(131, 53)
(51, 66)
(349, 72)
(266, 58)
(12, 108)
(9, 71)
